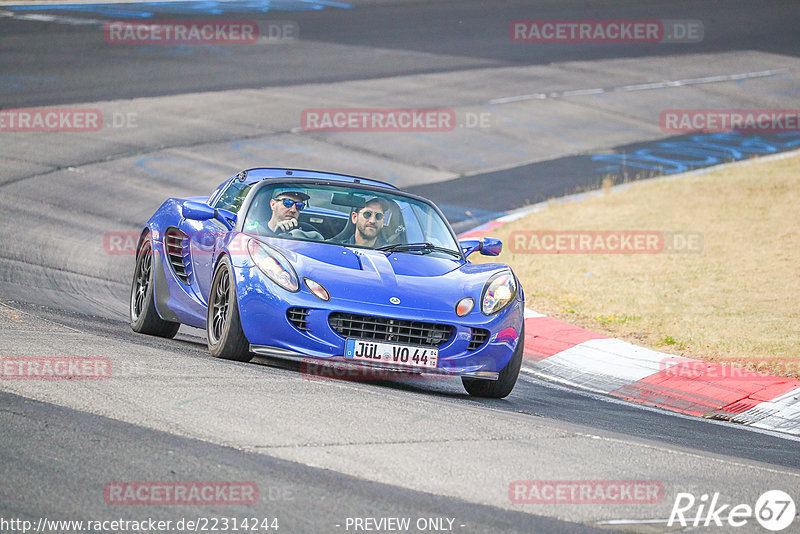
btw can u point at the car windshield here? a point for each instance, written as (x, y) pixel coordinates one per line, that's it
(344, 215)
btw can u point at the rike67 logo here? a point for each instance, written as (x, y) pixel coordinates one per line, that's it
(774, 510)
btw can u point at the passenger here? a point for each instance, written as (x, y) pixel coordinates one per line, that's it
(368, 223)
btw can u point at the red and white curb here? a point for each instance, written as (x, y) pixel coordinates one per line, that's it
(568, 354)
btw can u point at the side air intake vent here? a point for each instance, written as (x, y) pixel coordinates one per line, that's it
(176, 244)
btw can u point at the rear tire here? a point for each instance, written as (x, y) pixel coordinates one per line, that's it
(226, 339)
(500, 388)
(143, 314)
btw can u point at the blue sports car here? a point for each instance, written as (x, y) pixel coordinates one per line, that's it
(303, 264)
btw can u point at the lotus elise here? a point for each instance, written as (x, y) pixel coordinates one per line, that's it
(300, 264)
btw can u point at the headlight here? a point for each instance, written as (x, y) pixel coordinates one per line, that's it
(274, 265)
(498, 292)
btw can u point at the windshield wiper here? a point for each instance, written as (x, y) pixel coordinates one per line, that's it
(425, 248)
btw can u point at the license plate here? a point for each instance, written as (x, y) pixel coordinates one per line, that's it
(390, 353)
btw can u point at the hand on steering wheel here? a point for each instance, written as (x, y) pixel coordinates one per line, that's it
(286, 225)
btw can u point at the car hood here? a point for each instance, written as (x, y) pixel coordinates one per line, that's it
(425, 281)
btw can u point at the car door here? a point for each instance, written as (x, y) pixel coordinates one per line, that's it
(205, 239)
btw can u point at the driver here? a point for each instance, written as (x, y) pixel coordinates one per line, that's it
(286, 205)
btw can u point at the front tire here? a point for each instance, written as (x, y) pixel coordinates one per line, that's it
(226, 339)
(500, 388)
(143, 314)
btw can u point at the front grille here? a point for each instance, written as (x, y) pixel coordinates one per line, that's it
(479, 337)
(391, 330)
(299, 318)
(176, 244)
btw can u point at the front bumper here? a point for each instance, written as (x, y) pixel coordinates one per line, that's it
(271, 333)
(401, 370)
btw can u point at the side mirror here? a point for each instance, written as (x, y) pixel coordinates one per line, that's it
(198, 211)
(468, 246)
(488, 246)
(226, 217)
(491, 246)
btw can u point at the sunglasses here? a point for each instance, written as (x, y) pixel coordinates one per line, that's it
(288, 203)
(368, 215)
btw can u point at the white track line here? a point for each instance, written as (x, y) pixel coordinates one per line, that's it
(58, 19)
(641, 86)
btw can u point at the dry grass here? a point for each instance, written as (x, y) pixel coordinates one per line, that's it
(734, 302)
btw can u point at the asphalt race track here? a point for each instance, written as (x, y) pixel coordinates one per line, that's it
(533, 121)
